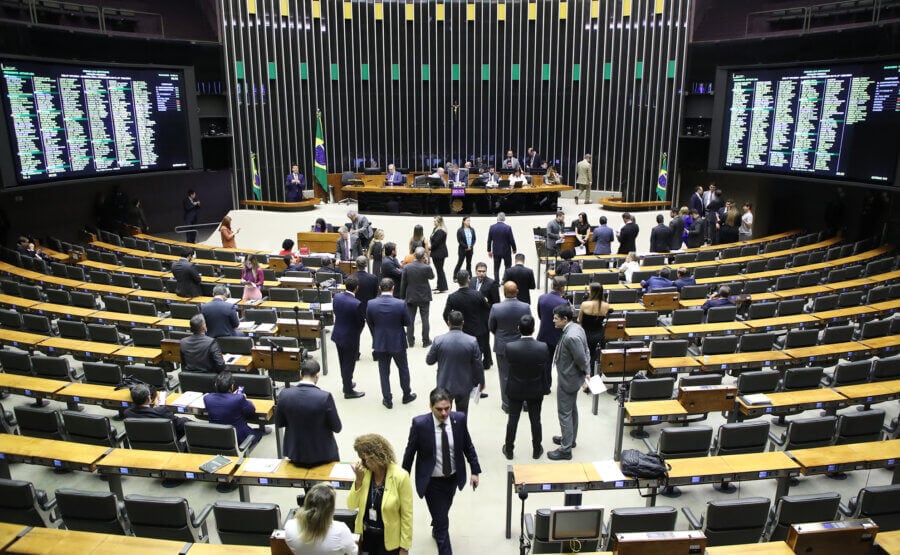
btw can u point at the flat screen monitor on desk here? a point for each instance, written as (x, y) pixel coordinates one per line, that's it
(434, 182)
(576, 523)
(503, 184)
(373, 171)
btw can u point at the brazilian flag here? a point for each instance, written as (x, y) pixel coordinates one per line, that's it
(661, 181)
(257, 182)
(320, 170)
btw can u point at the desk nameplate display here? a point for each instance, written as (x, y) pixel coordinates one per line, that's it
(92, 394)
(851, 350)
(661, 366)
(653, 412)
(742, 361)
(703, 330)
(50, 452)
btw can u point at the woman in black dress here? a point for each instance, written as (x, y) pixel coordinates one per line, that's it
(592, 317)
(582, 230)
(439, 252)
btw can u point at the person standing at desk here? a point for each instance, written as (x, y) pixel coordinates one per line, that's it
(311, 419)
(548, 333)
(252, 278)
(510, 163)
(349, 321)
(554, 233)
(361, 228)
(186, 275)
(221, 316)
(199, 352)
(390, 266)
(191, 207)
(584, 179)
(532, 159)
(660, 236)
(393, 178)
(440, 444)
(627, 234)
(603, 237)
(292, 184)
(347, 246)
(501, 244)
(572, 360)
(439, 252)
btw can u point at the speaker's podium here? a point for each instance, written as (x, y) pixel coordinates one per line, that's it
(847, 537)
(661, 543)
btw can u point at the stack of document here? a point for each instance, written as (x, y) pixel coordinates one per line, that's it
(192, 399)
(756, 399)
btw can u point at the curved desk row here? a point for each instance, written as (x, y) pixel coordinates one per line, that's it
(418, 200)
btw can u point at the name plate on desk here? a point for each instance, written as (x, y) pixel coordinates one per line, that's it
(661, 543)
(707, 398)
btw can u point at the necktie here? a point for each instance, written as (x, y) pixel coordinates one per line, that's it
(445, 450)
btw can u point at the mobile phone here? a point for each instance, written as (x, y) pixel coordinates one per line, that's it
(240, 390)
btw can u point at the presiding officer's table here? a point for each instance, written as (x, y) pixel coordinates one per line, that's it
(424, 200)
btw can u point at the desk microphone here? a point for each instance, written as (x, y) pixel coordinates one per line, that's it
(272, 344)
(522, 491)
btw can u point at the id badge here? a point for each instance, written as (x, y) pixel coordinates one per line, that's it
(373, 515)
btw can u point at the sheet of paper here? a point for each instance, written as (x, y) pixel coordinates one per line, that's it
(265, 328)
(246, 326)
(596, 385)
(609, 471)
(343, 471)
(199, 403)
(756, 399)
(186, 398)
(233, 300)
(261, 465)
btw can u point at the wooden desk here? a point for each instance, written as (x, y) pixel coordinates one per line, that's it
(297, 282)
(62, 311)
(147, 355)
(783, 322)
(792, 401)
(819, 353)
(134, 252)
(30, 386)
(889, 542)
(698, 470)
(103, 395)
(883, 345)
(159, 464)
(156, 297)
(640, 412)
(48, 452)
(87, 349)
(224, 549)
(811, 291)
(754, 466)
(265, 408)
(647, 334)
(21, 339)
(664, 365)
(9, 533)
(871, 393)
(322, 473)
(52, 541)
(116, 269)
(174, 324)
(286, 475)
(122, 319)
(732, 361)
(103, 289)
(768, 548)
(702, 330)
(884, 308)
(835, 458)
(8, 301)
(842, 314)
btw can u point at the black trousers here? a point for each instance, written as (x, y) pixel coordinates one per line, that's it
(507, 262)
(439, 497)
(534, 415)
(441, 276)
(462, 403)
(484, 343)
(463, 256)
(347, 359)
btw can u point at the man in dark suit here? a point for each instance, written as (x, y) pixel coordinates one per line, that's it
(146, 405)
(415, 289)
(390, 266)
(191, 207)
(501, 244)
(503, 322)
(387, 317)
(528, 360)
(458, 359)
(347, 246)
(474, 309)
(523, 277)
(221, 316)
(696, 201)
(199, 352)
(292, 184)
(676, 229)
(226, 405)
(660, 237)
(186, 275)
(547, 333)
(367, 284)
(349, 321)
(311, 419)
(532, 159)
(485, 285)
(684, 278)
(440, 451)
(627, 235)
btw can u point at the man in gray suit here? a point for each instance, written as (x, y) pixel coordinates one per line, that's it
(414, 288)
(458, 359)
(572, 359)
(347, 247)
(199, 352)
(554, 232)
(504, 324)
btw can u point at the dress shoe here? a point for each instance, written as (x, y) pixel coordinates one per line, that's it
(537, 452)
(354, 394)
(505, 409)
(484, 395)
(559, 455)
(409, 398)
(387, 404)
(558, 440)
(426, 343)
(508, 453)
(412, 344)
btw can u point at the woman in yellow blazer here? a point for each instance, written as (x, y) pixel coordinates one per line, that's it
(382, 493)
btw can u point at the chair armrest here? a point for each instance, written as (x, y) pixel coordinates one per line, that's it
(44, 502)
(290, 516)
(693, 521)
(777, 440)
(529, 526)
(649, 445)
(779, 386)
(119, 437)
(245, 445)
(75, 375)
(847, 511)
(172, 384)
(200, 519)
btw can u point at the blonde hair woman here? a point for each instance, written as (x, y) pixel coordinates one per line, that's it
(314, 531)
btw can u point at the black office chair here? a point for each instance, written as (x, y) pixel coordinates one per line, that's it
(685, 258)
(54, 368)
(70, 329)
(152, 375)
(142, 308)
(875, 328)
(106, 334)
(154, 434)
(755, 342)
(235, 345)
(825, 302)
(757, 286)
(10, 319)
(786, 282)
(203, 382)
(115, 304)
(637, 519)
(884, 369)
(246, 523)
(216, 439)
(849, 373)
(260, 315)
(83, 300)
(878, 294)
(793, 509)
(123, 280)
(184, 311)
(39, 422)
(153, 265)
(622, 296)
(235, 273)
(805, 433)
(537, 530)
(256, 386)
(668, 348)
(730, 252)
(801, 378)
(655, 389)
(14, 362)
(316, 296)
(880, 503)
(857, 427)
(790, 307)
(92, 429)
(681, 443)
(693, 292)
(733, 522)
(167, 518)
(38, 323)
(759, 311)
(21, 503)
(739, 438)
(102, 373)
(147, 337)
(809, 279)
(704, 272)
(285, 294)
(58, 296)
(837, 334)
(758, 381)
(719, 345)
(850, 298)
(641, 319)
(687, 317)
(701, 378)
(795, 339)
(721, 314)
(92, 511)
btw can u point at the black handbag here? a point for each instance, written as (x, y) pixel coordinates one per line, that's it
(644, 465)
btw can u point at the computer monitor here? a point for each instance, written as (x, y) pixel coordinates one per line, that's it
(576, 523)
(373, 171)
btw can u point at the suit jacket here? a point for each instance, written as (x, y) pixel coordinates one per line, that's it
(293, 189)
(572, 358)
(414, 286)
(395, 178)
(187, 277)
(687, 280)
(458, 359)
(676, 228)
(660, 238)
(221, 318)
(554, 231)
(533, 161)
(396, 506)
(583, 172)
(367, 289)
(696, 233)
(341, 245)
(500, 241)
(390, 268)
(230, 409)
(474, 308)
(157, 412)
(603, 237)
(311, 419)
(439, 243)
(190, 211)
(627, 237)
(201, 353)
(504, 322)
(387, 319)
(349, 320)
(511, 164)
(696, 203)
(363, 227)
(488, 288)
(546, 303)
(527, 360)
(462, 245)
(524, 279)
(421, 446)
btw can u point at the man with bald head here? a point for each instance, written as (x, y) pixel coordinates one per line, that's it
(414, 288)
(504, 324)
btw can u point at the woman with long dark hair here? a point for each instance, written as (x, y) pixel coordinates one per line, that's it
(439, 252)
(465, 238)
(252, 279)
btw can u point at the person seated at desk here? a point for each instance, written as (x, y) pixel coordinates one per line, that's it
(25, 247)
(458, 177)
(328, 266)
(320, 226)
(145, 404)
(629, 266)
(684, 278)
(393, 178)
(438, 174)
(314, 531)
(199, 352)
(719, 298)
(568, 265)
(293, 183)
(229, 406)
(287, 247)
(491, 178)
(517, 180)
(552, 178)
(659, 281)
(294, 264)
(511, 163)
(220, 315)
